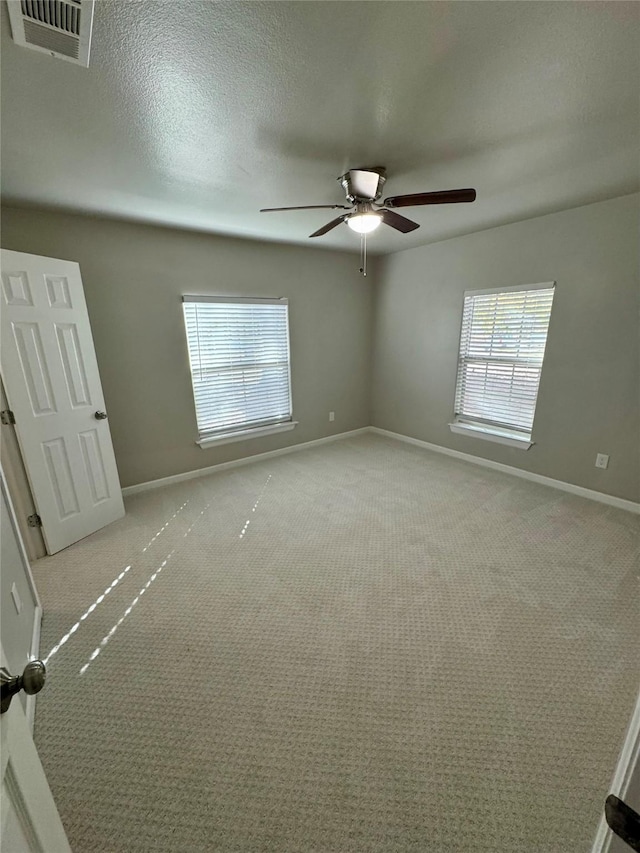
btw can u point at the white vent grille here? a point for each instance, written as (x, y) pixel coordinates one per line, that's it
(61, 28)
(56, 13)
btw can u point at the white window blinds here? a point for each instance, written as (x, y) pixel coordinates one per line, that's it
(502, 343)
(239, 355)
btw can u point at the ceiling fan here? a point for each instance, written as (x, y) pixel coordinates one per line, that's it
(363, 188)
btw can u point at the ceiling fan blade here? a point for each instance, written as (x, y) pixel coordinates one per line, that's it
(442, 197)
(308, 207)
(329, 226)
(400, 223)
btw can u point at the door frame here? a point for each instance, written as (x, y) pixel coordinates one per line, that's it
(37, 617)
(628, 765)
(19, 486)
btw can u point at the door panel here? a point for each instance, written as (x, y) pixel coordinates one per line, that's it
(16, 289)
(57, 458)
(17, 834)
(58, 291)
(94, 465)
(72, 364)
(34, 368)
(51, 379)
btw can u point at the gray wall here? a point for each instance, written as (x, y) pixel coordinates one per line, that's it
(588, 397)
(588, 401)
(134, 276)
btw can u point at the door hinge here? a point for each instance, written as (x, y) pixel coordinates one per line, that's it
(34, 520)
(7, 417)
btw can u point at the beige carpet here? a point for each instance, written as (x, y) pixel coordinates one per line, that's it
(360, 647)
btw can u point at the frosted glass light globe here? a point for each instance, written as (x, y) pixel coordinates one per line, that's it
(364, 223)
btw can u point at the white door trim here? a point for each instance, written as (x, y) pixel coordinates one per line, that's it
(19, 487)
(37, 618)
(628, 765)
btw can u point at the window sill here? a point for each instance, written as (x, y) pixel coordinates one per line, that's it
(489, 434)
(258, 432)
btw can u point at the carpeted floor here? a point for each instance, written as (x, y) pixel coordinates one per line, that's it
(355, 648)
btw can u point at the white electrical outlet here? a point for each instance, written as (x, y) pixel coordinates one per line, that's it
(332, 416)
(602, 460)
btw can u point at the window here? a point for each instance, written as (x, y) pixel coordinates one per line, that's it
(239, 356)
(502, 344)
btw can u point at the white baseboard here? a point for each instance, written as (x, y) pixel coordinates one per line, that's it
(234, 463)
(591, 494)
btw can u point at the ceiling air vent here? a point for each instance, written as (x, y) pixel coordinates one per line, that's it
(60, 28)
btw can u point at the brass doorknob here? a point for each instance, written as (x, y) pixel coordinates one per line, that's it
(100, 416)
(31, 681)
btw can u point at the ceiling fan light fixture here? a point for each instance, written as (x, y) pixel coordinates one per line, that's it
(364, 223)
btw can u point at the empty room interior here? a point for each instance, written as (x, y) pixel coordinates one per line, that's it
(320, 426)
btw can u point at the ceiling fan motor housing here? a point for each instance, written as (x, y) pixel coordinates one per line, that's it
(362, 185)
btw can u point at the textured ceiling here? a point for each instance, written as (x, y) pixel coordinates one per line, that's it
(197, 114)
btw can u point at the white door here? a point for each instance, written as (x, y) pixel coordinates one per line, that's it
(30, 820)
(51, 379)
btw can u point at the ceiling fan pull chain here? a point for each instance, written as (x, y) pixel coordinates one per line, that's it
(363, 253)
